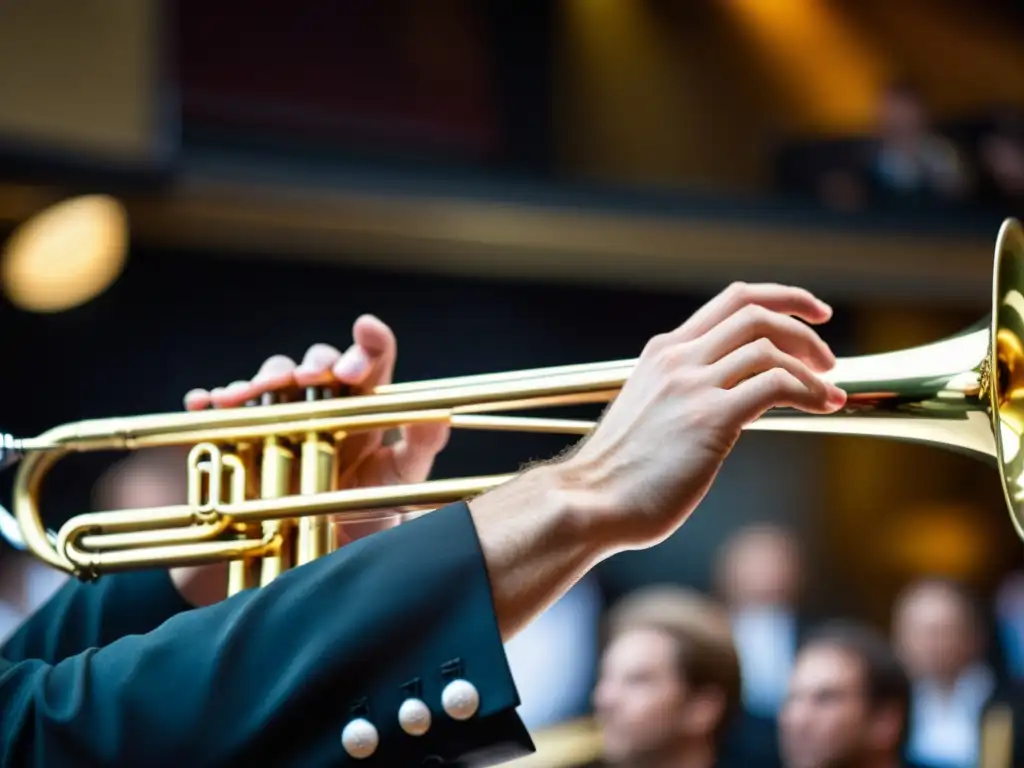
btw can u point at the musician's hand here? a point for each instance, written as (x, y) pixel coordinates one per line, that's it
(367, 363)
(659, 446)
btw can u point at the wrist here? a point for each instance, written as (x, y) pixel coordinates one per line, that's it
(538, 535)
(581, 510)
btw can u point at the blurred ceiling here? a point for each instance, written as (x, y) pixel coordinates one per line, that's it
(548, 141)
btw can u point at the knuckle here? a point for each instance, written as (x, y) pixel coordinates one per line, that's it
(738, 290)
(756, 315)
(781, 380)
(765, 350)
(320, 350)
(277, 364)
(684, 382)
(655, 344)
(670, 359)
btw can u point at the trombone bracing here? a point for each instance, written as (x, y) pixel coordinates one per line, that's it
(262, 479)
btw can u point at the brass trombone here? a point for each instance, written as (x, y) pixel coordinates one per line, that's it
(260, 478)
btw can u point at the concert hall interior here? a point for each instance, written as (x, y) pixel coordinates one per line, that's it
(187, 188)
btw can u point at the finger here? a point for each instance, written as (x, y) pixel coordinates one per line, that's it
(369, 362)
(276, 373)
(215, 394)
(197, 400)
(760, 356)
(785, 332)
(413, 456)
(354, 450)
(316, 366)
(233, 395)
(784, 299)
(776, 388)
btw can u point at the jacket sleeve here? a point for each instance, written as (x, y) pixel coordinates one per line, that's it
(275, 675)
(90, 615)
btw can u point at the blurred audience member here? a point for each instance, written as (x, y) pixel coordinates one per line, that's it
(155, 477)
(940, 637)
(669, 683)
(25, 584)
(149, 478)
(848, 702)
(759, 575)
(840, 188)
(1001, 161)
(1009, 619)
(553, 659)
(910, 161)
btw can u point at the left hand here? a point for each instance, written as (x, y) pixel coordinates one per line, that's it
(368, 363)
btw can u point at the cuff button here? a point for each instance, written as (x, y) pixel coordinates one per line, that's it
(414, 717)
(360, 739)
(460, 699)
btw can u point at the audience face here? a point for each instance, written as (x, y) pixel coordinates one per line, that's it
(640, 701)
(761, 568)
(935, 634)
(827, 720)
(149, 479)
(902, 116)
(1003, 157)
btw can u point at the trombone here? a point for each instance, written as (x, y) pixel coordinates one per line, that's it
(262, 479)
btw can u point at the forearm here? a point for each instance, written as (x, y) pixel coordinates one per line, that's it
(227, 684)
(538, 538)
(92, 615)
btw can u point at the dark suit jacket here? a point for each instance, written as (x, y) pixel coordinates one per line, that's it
(120, 672)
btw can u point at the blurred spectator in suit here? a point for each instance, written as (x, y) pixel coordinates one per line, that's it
(669, 683)
(910, 162)
(759, 578)
(848, 702)
(939, 635)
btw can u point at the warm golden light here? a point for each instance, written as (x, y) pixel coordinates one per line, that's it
(830, 73)
(66, 255)
(938, 539)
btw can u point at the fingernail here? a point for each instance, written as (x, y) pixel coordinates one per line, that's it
(836, 396)
(352, 365)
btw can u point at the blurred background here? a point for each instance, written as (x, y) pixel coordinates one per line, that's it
(512, 185)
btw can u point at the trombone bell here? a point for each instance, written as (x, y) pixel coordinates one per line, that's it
(963, 393)
(264, 479)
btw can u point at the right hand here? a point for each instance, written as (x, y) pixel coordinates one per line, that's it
(659, 446)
